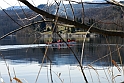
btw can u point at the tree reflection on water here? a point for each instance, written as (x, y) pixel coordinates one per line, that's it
(96, 61)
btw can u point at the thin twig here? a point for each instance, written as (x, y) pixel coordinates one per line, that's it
(16, 30)
(41, 64)
(72, 9)
(67, 21)
(8, 69)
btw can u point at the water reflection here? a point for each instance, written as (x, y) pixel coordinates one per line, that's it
(12, 47)
(62, 56)
(27, 59)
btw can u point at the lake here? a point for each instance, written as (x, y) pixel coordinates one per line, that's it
(102, 61)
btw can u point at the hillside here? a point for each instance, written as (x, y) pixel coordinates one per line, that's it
(109, 17)
(104, 13)
(17, 7)
(7, 24)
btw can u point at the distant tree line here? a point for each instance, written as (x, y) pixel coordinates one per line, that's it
(114, 20)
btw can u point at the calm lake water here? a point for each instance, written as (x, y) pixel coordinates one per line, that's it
(26, 61)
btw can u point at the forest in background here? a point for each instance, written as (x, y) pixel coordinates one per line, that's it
(106, 21)
(104, 16)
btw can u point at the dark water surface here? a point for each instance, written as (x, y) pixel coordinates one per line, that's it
(26, 59)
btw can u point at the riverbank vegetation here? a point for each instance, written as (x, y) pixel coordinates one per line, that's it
(35, 21)
(108, 17)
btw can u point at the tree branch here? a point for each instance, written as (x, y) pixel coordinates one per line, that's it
(76, 24)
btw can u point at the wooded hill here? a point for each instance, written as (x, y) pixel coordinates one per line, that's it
(107, 16)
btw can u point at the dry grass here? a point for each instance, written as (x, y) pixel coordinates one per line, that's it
(90, 66)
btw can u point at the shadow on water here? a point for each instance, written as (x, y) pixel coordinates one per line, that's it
(95, 48)
(26, 58)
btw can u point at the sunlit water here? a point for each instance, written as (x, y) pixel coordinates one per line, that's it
(12, 47)
(25, 62)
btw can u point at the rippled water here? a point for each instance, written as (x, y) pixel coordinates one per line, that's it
(26, 60)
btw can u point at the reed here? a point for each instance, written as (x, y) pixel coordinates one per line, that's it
(17, 79)
(110, 77)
